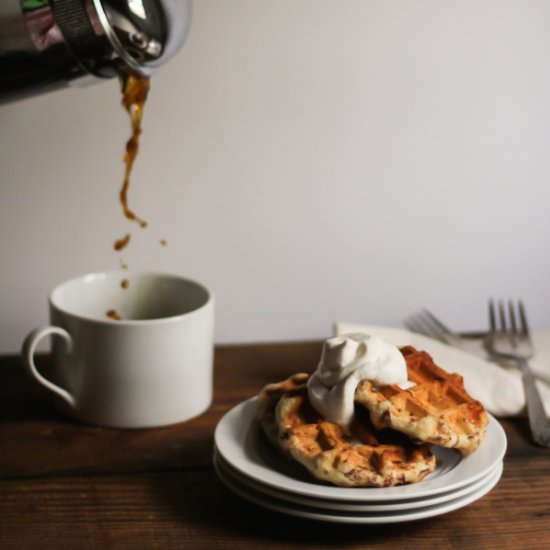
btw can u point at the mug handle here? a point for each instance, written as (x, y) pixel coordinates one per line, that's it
(29, 347)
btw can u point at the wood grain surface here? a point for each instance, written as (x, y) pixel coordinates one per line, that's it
(66, 485)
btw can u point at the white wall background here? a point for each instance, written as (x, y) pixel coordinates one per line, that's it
(310, 160)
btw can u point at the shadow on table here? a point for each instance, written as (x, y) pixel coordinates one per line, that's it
(200, 501)
(37, 440)
(23, 399)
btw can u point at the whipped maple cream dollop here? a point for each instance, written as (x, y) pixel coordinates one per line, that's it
(345, 361)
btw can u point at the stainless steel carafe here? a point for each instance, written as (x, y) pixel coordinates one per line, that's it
(49, 44)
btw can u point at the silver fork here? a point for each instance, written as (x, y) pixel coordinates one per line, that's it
(511, 341)
(425, 322)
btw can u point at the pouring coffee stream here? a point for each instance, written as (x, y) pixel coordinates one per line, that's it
(134, 94)
(135, 89)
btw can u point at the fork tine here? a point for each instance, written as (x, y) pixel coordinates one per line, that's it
(428, 323)
(417, 324)
(523, 319)
(410, 324)
(502, 316)
(512, 314)
(492, 320)
(435, 321)
(512, 333)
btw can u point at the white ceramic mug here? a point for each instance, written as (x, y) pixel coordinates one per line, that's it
(152, 367)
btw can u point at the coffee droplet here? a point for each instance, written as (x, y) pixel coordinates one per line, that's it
(125, 283)
(112, 314)
(163, 242)
(122, 243)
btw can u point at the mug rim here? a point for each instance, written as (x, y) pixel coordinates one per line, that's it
(130, 322)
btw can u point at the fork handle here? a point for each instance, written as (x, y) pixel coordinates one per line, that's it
(538, 421)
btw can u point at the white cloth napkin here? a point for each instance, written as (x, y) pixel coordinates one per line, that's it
(499, 389)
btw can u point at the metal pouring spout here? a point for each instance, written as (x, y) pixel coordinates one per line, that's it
(49, 44)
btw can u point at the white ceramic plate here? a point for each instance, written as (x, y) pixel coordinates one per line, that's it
(309, 512)
(343, 506)
(241, 443)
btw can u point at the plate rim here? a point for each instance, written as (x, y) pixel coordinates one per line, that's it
(234, 455)
(365, 518)
(351, 506)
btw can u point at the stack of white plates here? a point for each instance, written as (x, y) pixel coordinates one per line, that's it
(248, 465)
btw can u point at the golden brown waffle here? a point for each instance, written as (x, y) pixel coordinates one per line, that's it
(366, 458)
(436, 410)
(268, 399)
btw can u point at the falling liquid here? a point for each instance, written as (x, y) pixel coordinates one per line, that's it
(112, 314)
(125, 283)
(135, 89)
(122, 243)
(134, 93)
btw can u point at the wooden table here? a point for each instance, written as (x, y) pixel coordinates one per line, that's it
(65, 485)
